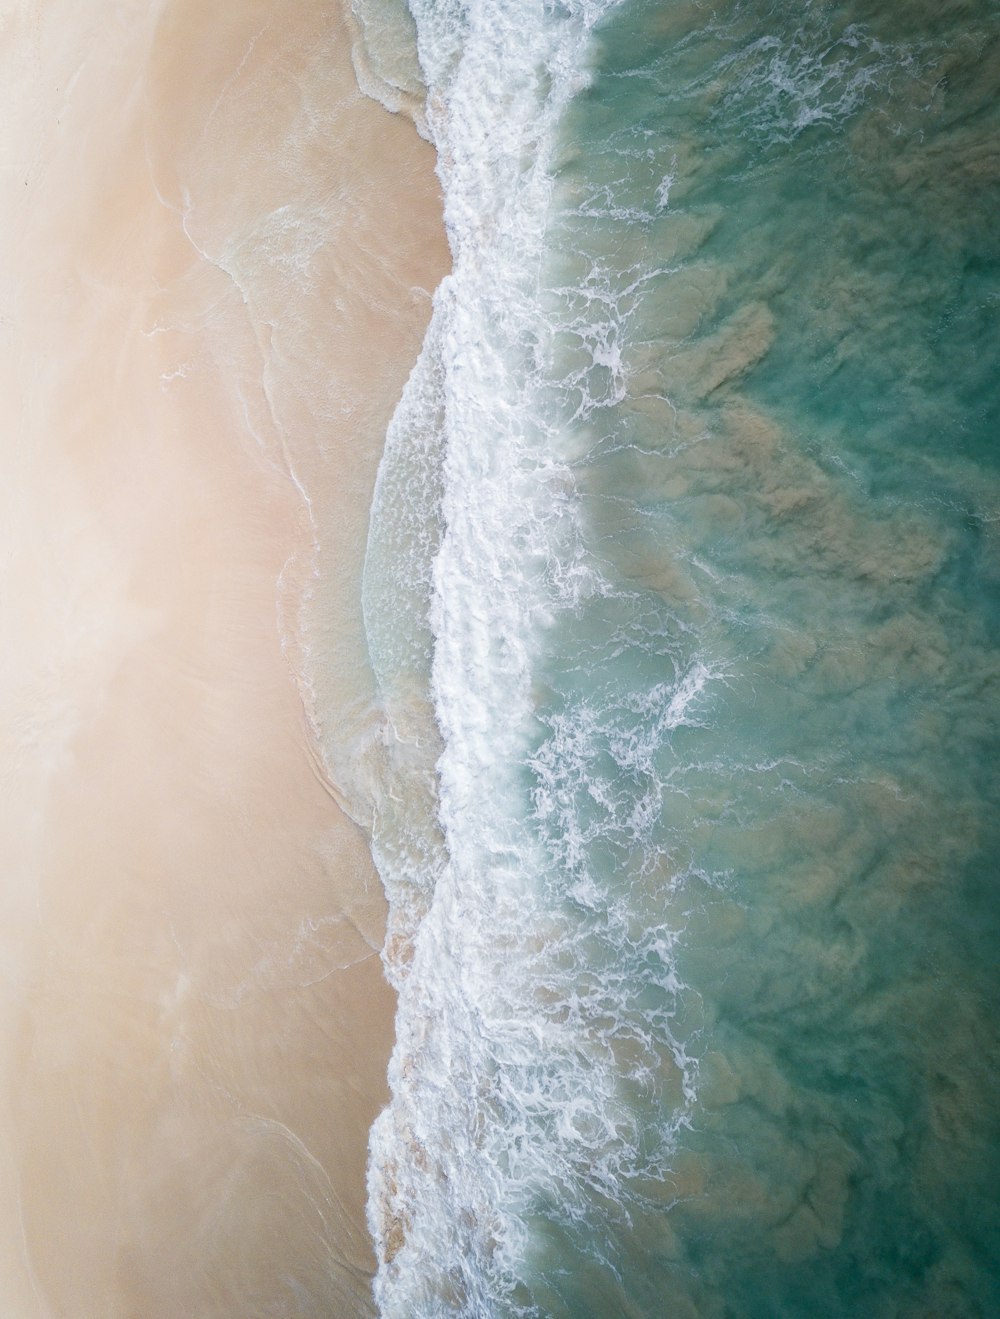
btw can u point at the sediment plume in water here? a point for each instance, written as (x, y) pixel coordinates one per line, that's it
(677, 746)
(681, 594)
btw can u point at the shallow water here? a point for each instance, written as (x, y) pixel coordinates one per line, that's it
(217, 258)
(693, 503)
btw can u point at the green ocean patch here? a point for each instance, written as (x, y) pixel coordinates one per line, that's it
(774, 373)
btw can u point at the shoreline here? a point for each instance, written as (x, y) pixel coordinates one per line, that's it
(195, 1032)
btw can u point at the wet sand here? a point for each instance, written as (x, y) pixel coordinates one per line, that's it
(217, 260)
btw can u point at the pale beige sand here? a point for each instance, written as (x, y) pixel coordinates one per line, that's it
(215, 263)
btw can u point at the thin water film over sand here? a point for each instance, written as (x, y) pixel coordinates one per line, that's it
(217, 264)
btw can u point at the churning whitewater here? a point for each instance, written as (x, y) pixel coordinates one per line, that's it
(681, 596)
(524, 1041)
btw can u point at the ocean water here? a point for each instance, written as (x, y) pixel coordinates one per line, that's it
(682, 599)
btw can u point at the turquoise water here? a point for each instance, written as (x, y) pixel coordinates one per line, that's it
(682, 594)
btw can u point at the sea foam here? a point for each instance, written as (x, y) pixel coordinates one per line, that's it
(520, 1030)
(681, 559)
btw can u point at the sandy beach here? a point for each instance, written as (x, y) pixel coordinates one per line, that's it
(217, 265)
